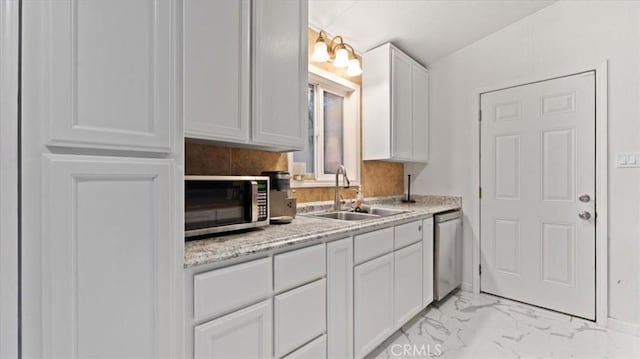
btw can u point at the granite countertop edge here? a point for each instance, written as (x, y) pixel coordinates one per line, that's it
(303, 229)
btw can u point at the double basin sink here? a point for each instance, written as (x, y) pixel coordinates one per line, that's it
(359, 216)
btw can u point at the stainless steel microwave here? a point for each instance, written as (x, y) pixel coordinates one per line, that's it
(215, 204)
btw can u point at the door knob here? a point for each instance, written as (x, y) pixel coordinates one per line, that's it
(584, 215)
(585, 198)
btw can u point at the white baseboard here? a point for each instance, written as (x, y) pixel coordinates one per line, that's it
(623, 327)
(467, 287)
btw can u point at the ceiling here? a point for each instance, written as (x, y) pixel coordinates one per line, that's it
(425, 29)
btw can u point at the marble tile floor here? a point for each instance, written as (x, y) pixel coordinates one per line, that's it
(466, 325)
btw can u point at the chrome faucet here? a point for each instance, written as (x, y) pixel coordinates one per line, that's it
(343, 171)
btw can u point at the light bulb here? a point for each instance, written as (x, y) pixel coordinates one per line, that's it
(320, 53)
(354, 68)
(342, 58)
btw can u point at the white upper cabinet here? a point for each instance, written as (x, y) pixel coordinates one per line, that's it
(394, 106)
(245, 72)
(107, 69)
(420, 108)
(279, 80)
(401, 111)
(216, 69)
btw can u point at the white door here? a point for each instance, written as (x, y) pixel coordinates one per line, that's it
(538, 188)
(373, 303)
(242, 334)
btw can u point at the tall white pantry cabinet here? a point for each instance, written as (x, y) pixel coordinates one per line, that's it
(102, 178)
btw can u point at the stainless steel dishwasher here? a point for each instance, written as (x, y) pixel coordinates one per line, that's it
(447, 253)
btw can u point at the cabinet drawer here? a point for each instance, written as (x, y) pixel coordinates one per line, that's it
(373, 244)
(407, 233)
(300, 315)
(299, 267)
(317, 349)
(229, 288)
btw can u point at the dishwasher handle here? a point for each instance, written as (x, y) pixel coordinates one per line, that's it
(447, 216)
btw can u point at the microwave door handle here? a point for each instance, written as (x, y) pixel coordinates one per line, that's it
(254, 201)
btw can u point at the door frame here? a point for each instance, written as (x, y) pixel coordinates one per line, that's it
(602, 201)
(9, 169)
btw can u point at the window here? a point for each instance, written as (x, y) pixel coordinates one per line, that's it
(333, 132)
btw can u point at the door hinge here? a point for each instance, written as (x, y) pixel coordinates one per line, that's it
(480, 269)
(480, 192)
(479, 115)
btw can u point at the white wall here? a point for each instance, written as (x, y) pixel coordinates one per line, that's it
(557, 37)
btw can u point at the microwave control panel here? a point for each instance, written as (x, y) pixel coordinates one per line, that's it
(263, 200)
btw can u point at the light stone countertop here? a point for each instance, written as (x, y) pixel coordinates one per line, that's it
(308, 229)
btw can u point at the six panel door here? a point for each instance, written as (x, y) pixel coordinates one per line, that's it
(538, 159)
(108, 258)
(108, 73)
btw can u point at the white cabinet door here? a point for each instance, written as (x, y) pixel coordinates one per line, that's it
(107, 72)
(246, 333)
(299, 316)
(373, 303)
(401, 111)
(279, 82)
(407, 283)
(340, 298)
(427, 262)
(420, 106)
(216, 73)
(109, 249)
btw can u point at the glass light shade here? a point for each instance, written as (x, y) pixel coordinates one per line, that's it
(354, 68)
(342, 58)
(320, 53)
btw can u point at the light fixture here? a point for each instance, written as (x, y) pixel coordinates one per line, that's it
(339, 52)
(354, 68)
(320, 53)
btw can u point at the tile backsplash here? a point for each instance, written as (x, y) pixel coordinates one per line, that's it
(378, 178)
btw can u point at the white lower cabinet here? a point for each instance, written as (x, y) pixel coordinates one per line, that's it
(340, 298)
(300, 315)
(246, 333)
(336, 300)
(108, 258)
(427, 262)
(317, 349)
(407, 290)
(373, 303)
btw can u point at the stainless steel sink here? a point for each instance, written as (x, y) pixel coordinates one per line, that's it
(346, 216)
(385, 212)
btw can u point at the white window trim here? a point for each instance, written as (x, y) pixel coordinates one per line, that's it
(351, 131)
